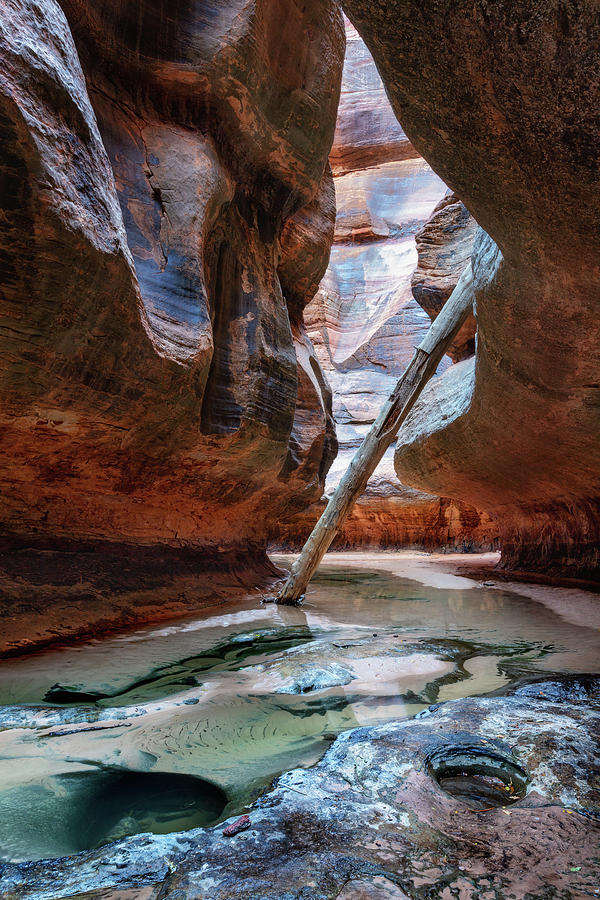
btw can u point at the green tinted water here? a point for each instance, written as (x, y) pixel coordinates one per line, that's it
(235, 698)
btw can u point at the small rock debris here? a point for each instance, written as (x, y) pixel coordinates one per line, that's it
(240, 824)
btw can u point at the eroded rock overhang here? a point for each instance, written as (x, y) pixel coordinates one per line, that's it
(498, 100)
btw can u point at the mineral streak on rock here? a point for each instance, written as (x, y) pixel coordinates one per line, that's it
(164, 201)
(497, 98)
(305, 244)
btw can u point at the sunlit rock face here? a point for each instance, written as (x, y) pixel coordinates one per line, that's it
(153, 388)
(367, 316)
(367, 132)
(497, 97)
(444, 248)
(365, 312)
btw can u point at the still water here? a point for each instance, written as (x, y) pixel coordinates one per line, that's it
(178, 726)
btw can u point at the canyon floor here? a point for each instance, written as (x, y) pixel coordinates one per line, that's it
(59, 596)
(410, 731)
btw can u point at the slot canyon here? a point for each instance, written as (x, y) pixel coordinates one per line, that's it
(228, 231)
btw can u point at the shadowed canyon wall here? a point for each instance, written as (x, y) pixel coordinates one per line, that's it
(166, 211)
(365, 321)
(160, 162)
(500, 99)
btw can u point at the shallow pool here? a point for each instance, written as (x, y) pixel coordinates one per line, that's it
(233, 698)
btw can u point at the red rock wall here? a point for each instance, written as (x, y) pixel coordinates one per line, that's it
(393, 516)
(155, 158)
(167, 213)
(499, 98)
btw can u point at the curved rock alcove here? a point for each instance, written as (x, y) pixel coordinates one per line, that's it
(509, 129)
(152, 160)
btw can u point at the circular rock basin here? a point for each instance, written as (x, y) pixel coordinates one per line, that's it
(480, 778)
(63, 814)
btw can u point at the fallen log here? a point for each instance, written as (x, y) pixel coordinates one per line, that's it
(426, 358)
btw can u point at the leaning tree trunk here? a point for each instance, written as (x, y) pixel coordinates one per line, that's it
(422, 366)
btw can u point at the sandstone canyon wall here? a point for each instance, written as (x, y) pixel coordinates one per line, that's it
(373, 308)
(160, 164)
(166, 211)
(501, 99)
(167, 215)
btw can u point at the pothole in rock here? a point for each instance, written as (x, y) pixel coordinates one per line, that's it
(63, 814)
(479, 778)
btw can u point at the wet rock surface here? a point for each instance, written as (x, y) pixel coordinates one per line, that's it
(218, 706)
(371, 819)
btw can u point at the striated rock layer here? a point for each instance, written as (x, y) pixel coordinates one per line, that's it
(390, 515)
(166, 212)
(367, 316)
(367, 131)
(73, 590)
(499, 99)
